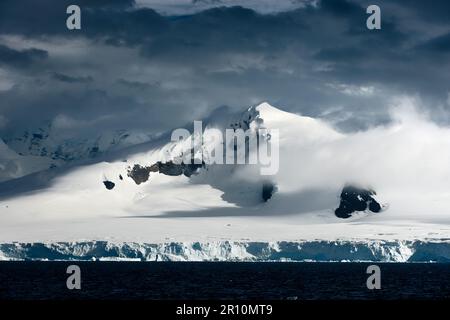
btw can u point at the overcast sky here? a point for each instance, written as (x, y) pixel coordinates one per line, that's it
(157, 64)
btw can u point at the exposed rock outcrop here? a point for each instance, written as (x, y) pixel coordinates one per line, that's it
(109, 184)
(141, 174)
(356, 199)
(268, 189)
(138, 173)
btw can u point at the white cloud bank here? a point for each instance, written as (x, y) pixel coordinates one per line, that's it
(406, 161)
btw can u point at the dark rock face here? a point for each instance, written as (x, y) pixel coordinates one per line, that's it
(141, 174)
(174, 169)
(356, 199)
(170, 169)
(109, 184)
(268, 189)
(192, 169)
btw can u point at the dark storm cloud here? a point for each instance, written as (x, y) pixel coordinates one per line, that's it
(69, 79)
(47, 17)
(435, 11)
(439, 44)
(136, 84)
(111, 21)
(139, 68)
(20, 58)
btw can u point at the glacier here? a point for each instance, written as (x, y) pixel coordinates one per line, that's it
(243, 251)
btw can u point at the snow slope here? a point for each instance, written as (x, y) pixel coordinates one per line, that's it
(13, 165)
(219, 214)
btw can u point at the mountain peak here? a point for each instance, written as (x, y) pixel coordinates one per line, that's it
(273, 117)
(265, 106)
(269, 112)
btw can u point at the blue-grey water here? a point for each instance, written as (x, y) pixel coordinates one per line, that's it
(222, 280)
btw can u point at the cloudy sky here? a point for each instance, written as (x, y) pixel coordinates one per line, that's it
(157, 64)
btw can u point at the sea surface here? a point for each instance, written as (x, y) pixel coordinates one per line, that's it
(222, 280)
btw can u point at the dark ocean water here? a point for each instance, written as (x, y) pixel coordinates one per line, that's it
(218, 280)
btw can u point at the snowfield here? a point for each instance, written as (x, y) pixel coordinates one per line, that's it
(218, 214)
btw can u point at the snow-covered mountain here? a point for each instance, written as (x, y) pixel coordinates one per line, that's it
(42, 148)
(142, 197)
(14, 165)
